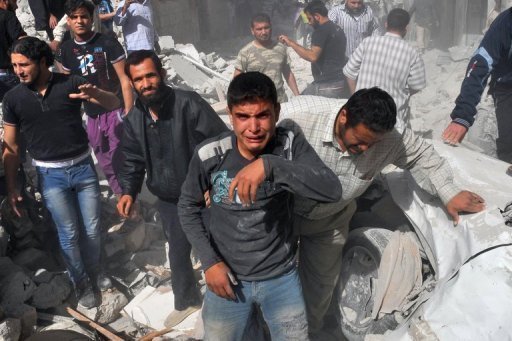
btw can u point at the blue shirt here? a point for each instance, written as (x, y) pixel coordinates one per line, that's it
(137, 25)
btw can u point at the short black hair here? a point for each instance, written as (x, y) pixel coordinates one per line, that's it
(316, 7)
(260, 17)
(34, 49)
(398, 19)
(73, 5)
(251, 86)
(373, 107)
(137, 57)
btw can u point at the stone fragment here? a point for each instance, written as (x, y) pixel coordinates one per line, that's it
(42, 276)
(16, 289)
(4, 241)
(10, 329)
(27, 315)
(49, 295)
(220, 63)
(112, 302)
(34, 259)
(134, 238)
(166, 44)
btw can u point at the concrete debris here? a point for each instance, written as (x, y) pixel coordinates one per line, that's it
(42, 276)
(189, 50)
(152, 306)
(460, 53)
(190, 74)
(166, 44)
(52, 294)
(112, 302)
(27, 315)
(149, 257)
(10, 329)
(34, 259)
(135, 235)
(4, 241)
(220, 63)
(16, 289)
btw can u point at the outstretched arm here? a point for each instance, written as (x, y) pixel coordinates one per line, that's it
(311, 55)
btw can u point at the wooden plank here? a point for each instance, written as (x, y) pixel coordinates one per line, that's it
(152, 335)
(92, 324)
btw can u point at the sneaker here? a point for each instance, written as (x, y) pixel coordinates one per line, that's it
(86, 297)
(103, 282)
(176, 316)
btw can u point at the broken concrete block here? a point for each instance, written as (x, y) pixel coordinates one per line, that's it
(151, 257)
(220, 63)
(27, 315)
(42, 276)
(49, 295)
(458, 53)
(166, 44)
(113, 246)
(110, 309)
(10, 329)
(134, 238)
(34, 259)
(4, 241)
(16, 289)
(189, 50)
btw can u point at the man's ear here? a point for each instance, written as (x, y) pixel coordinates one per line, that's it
(342, 117)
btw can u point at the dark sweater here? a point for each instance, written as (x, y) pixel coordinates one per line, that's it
(492, 58)
(256, 242)
(164, 148)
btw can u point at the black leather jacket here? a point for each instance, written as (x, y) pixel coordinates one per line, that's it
(189, 119)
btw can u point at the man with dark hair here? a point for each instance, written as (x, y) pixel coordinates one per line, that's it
(356, 142)
(265, 55)
(161, 132)
(100, 59)
(10, 31)
(357, 20)
(46, 108)
(327, 53)
(491, 60)
(390, 63)
(248, 252)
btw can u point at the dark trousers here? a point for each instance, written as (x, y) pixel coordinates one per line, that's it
(332, 89)
(183, 281)
(503, 102)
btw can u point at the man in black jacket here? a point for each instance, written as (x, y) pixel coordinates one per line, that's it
(160, 134)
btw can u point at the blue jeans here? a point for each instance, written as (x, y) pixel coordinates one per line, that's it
(281, 303)
(72, 195)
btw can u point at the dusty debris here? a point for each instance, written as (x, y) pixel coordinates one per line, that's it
(10, 329)
(53, 293)
(112, 302)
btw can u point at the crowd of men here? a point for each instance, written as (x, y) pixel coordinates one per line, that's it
(288, 171)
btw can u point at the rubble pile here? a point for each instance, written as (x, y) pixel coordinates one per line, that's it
(431, 107)
(35, 290)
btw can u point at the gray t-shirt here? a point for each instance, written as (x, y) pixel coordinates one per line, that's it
(269, 61)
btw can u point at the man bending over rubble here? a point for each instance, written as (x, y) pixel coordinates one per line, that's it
(46, 108)
(356, 139)
(160, 134)
(248, 252)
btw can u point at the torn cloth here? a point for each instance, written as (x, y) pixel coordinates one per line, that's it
(399, 275)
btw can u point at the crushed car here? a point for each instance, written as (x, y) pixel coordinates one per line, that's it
(409, 274)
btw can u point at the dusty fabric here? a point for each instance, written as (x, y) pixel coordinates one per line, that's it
(399, 275)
